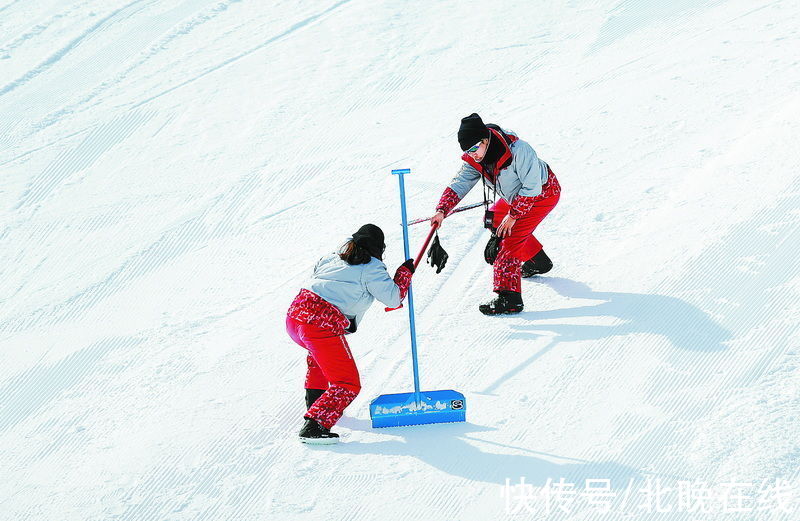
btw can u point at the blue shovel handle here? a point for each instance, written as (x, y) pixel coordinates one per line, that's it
(400, 173)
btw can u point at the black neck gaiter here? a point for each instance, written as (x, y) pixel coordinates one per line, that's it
(493, 153)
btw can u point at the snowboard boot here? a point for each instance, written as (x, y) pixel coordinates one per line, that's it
(540, 263)
(313, 433)
(312, 395)
(506, 303)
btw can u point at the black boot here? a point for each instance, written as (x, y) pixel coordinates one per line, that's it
(540, 263)
(506, 303)
(312, 395)
(315, 434)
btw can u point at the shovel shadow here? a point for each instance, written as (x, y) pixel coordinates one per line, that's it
(449, 449)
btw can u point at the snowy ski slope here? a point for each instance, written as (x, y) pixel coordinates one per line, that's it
(171, 170)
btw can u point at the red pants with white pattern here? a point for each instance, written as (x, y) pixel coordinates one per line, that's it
(330, 366)
(521, 245)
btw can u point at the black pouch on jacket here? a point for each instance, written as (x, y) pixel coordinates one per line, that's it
(488, 220)
(492, 248)
(352, 327)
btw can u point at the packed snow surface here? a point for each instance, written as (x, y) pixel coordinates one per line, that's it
(170, 171)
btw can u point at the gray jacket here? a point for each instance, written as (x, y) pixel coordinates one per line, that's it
(524, 176)
(352, 288)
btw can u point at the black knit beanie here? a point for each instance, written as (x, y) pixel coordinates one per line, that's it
(471, 131)
(370, 237)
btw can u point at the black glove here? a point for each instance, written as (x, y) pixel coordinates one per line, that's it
(491, 249)
(437, 257)
(409, 264)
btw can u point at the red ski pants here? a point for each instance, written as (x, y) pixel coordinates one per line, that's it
(330, 366)
(521, 245)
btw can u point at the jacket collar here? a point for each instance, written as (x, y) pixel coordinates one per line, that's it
(505, 158)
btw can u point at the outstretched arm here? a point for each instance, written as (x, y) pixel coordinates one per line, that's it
(390, 291)
(459, 187)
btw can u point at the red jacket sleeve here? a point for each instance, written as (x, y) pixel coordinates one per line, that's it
(448, 201)
(402, 277)
(521, 205)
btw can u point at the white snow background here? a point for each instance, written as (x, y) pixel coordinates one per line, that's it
(170, 171)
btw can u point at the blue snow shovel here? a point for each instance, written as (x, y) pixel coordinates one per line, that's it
(419, 407)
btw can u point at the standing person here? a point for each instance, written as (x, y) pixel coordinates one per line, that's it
(331, 305)
(528, 191)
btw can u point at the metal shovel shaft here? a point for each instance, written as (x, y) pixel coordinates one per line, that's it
(400, 174)
(419, 407)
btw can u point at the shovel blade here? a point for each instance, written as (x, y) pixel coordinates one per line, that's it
(397, 410)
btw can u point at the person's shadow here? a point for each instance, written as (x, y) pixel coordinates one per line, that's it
(684, 325)
(449, 448)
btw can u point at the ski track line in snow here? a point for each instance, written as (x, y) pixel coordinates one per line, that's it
(154, 50)
(92, 391)
(33, 32)
(48, 145)
(218, 464)
(123, 52)
(39, 28)
(26, 394)
(167, 121)
(74, 160)
(173, 243)
(630, 16)
(180, 239)
(182, 30)
(294, 28)
(9, 5)
(61, 53)
(39, 235)
(170, 245)
(202, 481)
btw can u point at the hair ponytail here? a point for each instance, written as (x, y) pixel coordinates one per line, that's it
(352, 253)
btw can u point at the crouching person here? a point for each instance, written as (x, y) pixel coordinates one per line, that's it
(331, 305)
(528, 190)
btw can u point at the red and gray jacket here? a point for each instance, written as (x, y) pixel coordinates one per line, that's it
(517, 176)
(338, 294)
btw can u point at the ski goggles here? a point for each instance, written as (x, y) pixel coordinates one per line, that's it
(474, 148)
